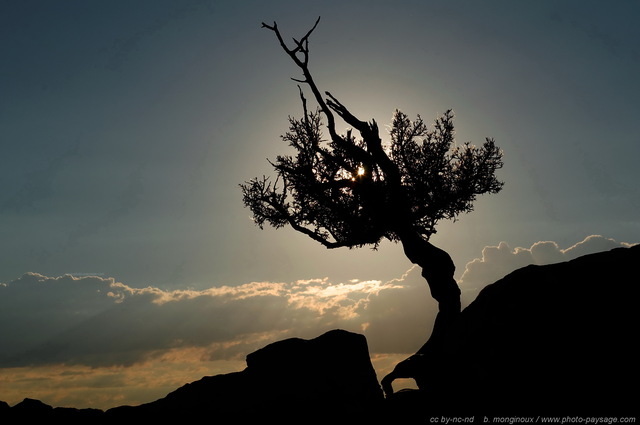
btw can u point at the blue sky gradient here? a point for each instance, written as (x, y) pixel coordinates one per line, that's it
(126, 128)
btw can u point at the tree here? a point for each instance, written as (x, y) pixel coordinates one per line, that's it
(352, 190)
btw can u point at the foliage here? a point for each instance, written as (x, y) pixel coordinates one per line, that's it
(353, 191)
(336, 192)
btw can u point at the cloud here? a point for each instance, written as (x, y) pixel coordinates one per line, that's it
(498, 261)
(98, 322)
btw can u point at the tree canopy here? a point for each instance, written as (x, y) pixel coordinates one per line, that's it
(353, 189)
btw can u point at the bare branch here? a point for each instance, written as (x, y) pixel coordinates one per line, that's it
(299, 228)
(371, 137)
(357, 152)
(306, 37)
(304, 104)
(344, 113)
(301, 46)
(316, 237)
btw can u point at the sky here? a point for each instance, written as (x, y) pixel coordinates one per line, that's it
(128, 264)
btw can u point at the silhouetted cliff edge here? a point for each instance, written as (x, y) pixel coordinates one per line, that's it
(559, 338)
(554, 339)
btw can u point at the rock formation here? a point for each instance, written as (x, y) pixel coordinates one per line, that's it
(329, 376)
(545, 339)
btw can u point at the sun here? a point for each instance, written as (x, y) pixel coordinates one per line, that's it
(359, 173)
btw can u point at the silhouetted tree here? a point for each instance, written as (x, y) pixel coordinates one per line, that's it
(352, 190)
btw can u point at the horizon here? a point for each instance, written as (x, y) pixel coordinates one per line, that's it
(315, 305)
(129, 266)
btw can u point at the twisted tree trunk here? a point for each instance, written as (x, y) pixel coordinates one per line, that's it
(438, 269)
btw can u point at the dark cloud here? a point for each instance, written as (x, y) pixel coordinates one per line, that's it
(100, 322)
(34, 308)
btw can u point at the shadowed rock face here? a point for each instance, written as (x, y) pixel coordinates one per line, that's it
(555, 339)
(560, 337)
(334, 368)
(331, 376)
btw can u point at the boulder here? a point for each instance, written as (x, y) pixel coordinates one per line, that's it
(328, 377)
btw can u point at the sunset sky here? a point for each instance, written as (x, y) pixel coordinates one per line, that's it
(128, 264)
